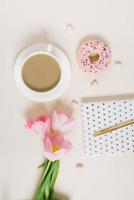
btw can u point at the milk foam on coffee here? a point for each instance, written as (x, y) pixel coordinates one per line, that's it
(41, 72)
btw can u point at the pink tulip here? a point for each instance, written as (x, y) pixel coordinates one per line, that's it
(50, 130)
(40, 125)
(56, 146)
(61, 122)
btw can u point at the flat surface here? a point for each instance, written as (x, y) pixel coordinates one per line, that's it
(23, 23)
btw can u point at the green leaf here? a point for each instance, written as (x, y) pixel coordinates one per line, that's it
(46, 170)
(47, 165)
(55, 173)
(43, 164)
(53, 178)
(46, 186)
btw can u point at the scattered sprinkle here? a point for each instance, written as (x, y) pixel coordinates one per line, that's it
(79, 165)
(117, 65)
(69, 28)
(94, 82)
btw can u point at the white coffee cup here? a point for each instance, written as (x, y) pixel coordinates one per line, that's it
(59, 56)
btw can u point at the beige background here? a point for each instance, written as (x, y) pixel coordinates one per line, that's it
(24, 22)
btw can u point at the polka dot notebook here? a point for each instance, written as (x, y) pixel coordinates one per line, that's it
(98, 115)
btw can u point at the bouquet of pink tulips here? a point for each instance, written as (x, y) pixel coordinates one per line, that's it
(50, 130)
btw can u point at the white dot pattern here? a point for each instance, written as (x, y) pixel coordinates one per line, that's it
(98, 115)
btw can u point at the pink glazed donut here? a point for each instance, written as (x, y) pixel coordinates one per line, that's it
(94, 56)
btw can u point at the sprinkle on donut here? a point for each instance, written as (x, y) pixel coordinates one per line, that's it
(94, 56)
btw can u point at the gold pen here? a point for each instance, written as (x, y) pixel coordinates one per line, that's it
(114, 127)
